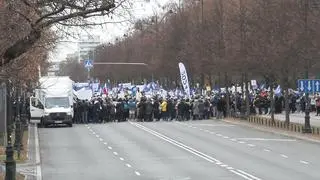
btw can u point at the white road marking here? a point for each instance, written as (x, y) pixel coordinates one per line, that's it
(105, 143)
(191, 150)
(239, 174)
(226, 137)
(218, 163)
(128, 165)
(284, 156)
(93, 133)
(229, 168)
(219, 135)
(265, 139)
(97, 136)
(233, 139)
(137, 173)
(224, 165)
(241, 142)
(206, 130)
(189, 126)
(100, 139)
(201, 129)
(212, 132)
(194, 127)
(121, 158)
(214, 125)
(266, 150)
(304, 162)
(115, 153)
(250, 175)
(251, 145)
(109, 147)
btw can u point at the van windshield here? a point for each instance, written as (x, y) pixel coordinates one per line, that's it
(55, 102)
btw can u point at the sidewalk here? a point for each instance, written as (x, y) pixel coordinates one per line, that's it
(306, 137)
(297, 118)
(29, 169)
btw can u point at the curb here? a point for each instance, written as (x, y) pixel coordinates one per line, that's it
(268, 129)
(38, 160)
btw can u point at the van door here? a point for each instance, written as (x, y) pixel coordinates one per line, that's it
(36, 110)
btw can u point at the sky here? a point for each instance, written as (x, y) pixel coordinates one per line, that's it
(108, 33)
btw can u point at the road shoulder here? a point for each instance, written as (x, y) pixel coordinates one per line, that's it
(306, 137)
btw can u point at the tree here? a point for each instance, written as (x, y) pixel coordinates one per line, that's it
(72, 68)
(24, 22)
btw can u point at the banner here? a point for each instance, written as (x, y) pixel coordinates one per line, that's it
(184, 79)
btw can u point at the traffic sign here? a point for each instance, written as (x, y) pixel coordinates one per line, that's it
(88, 64)
(309, 85)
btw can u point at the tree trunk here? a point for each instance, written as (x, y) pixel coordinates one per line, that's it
(247, 95)
(286, 100)
(227, 95)
(272, 102)
(21, 46)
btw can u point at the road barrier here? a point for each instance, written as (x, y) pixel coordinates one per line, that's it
(294, 127)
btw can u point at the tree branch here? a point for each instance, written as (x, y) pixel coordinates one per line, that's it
(50, 14)
(79, 14)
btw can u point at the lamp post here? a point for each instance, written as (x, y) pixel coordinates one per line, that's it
(18, 134)
(307, 126)
(10, 162)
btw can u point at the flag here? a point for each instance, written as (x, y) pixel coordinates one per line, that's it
(184, 79)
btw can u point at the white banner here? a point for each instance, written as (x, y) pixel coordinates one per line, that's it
(184, 79)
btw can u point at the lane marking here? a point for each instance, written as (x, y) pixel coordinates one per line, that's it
(219, 135)
(284, 156)
(266, 139)
(233, 139)
(213, 125)
(212, 132)
(128, 165)
(250, 175)
(201, 129)
(97, 136)
(93, 133)
(105, 143)
(226, 137)
(239, 174)
(121, 158)
(251, 145)
(224, 165)
(241, 142)
(189, 149)
(109, 147)
(115, 153)
(304, 162)
(100, 139)
(137, 173)
(229, 168)
(266, 150)
(194, 127)
(206, 130)
(86, 125)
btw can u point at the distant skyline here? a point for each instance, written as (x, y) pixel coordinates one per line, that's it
(109, 32)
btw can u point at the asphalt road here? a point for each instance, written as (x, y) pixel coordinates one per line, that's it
(199, 150)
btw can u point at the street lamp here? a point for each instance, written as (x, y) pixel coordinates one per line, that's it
(18, 134)
(10, 162)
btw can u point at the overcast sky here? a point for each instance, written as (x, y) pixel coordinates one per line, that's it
(109, 32)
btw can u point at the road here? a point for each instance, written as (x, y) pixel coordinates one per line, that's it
(199, 150)
(298, 118)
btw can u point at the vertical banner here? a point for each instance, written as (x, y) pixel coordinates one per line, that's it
(184, 79)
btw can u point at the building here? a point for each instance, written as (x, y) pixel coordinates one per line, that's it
(86, 47)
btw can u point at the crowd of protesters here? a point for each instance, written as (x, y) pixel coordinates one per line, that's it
(101, 110)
